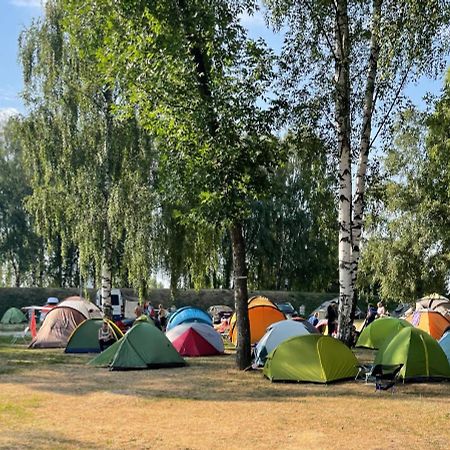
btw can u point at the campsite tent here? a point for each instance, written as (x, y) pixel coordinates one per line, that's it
(313, 358)
(321, 310)
(435, 302)
(379, 330)
(144, 346)
(444, 342)
(60, 322)
(196, 339)
(84, 338)
(432, 322)
(188, 314)
(276, 334)
(420, 354)
(13, 315)
(261, 313)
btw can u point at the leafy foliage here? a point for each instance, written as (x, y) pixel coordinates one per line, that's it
(406, 255)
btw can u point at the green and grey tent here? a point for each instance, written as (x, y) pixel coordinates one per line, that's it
(84, 339)
(421, 355)
(374, 335)
(311, 358)
(13, 315)
(144, 346)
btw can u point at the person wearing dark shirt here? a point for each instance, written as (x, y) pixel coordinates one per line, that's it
(332, 317)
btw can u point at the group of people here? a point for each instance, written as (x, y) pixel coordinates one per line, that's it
(106, 336)
(374, 312)
(159, 316)
(331, 316)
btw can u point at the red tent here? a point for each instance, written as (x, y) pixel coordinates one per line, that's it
(196, 339)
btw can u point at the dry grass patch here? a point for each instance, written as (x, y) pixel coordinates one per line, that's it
(51, 400)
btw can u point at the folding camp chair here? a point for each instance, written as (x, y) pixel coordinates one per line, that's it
(386, 376)
(20, 335)
(364, 372)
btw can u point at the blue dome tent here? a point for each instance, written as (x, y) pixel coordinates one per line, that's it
(188, 314)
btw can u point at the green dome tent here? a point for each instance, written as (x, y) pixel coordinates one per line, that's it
(84, 339)
(421, 355)
(13, 315)
(313, 358)
(144, 346)
(374, 335)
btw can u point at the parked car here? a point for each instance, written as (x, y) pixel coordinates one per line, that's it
(287, 309)
(218, 312)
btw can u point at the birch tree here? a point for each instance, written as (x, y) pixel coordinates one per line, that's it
(375, 47)
(91, 172)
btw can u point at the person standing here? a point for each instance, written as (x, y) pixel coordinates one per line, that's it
(381, 310)
(314, 319)
(331, 318)
(162, 316)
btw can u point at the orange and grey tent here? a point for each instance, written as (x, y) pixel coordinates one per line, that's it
(62, 320)
(434, 302)
(432, 322)
(261, 313)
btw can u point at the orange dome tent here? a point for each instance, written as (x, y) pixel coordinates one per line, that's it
(432, 322)
(261, 313)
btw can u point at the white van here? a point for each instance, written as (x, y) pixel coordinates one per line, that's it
(117, 303)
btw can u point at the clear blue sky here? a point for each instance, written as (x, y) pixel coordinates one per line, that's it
(15, 15)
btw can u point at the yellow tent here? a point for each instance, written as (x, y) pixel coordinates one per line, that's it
(261, 313)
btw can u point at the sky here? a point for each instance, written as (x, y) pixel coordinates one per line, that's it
(15, 15)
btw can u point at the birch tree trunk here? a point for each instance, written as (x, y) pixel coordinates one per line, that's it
(243, 350)
(364, 146)
(342, 118)
(106, 274)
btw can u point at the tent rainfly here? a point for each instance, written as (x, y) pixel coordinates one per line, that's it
(143, 346)
(444, 342)
(62, 320)
(84, 338)
(275, 335)
(379, 330)
(261, 313)
(421, 356)
(188, 314)
(13, 315)
(311, 358)
(196, 339)
(432, 322)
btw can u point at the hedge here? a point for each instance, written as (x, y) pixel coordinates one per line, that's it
(204, 298)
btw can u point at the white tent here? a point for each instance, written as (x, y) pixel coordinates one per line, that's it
(275, 335)
(444, 342)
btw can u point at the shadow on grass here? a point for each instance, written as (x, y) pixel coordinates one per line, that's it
(204, 379)
(38, 439)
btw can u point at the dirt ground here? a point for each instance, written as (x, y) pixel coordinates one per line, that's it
(49, 400)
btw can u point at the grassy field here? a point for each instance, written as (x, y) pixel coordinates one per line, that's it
(49, 400)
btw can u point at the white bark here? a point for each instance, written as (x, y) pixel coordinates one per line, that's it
(342, 117)
(106, 270)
